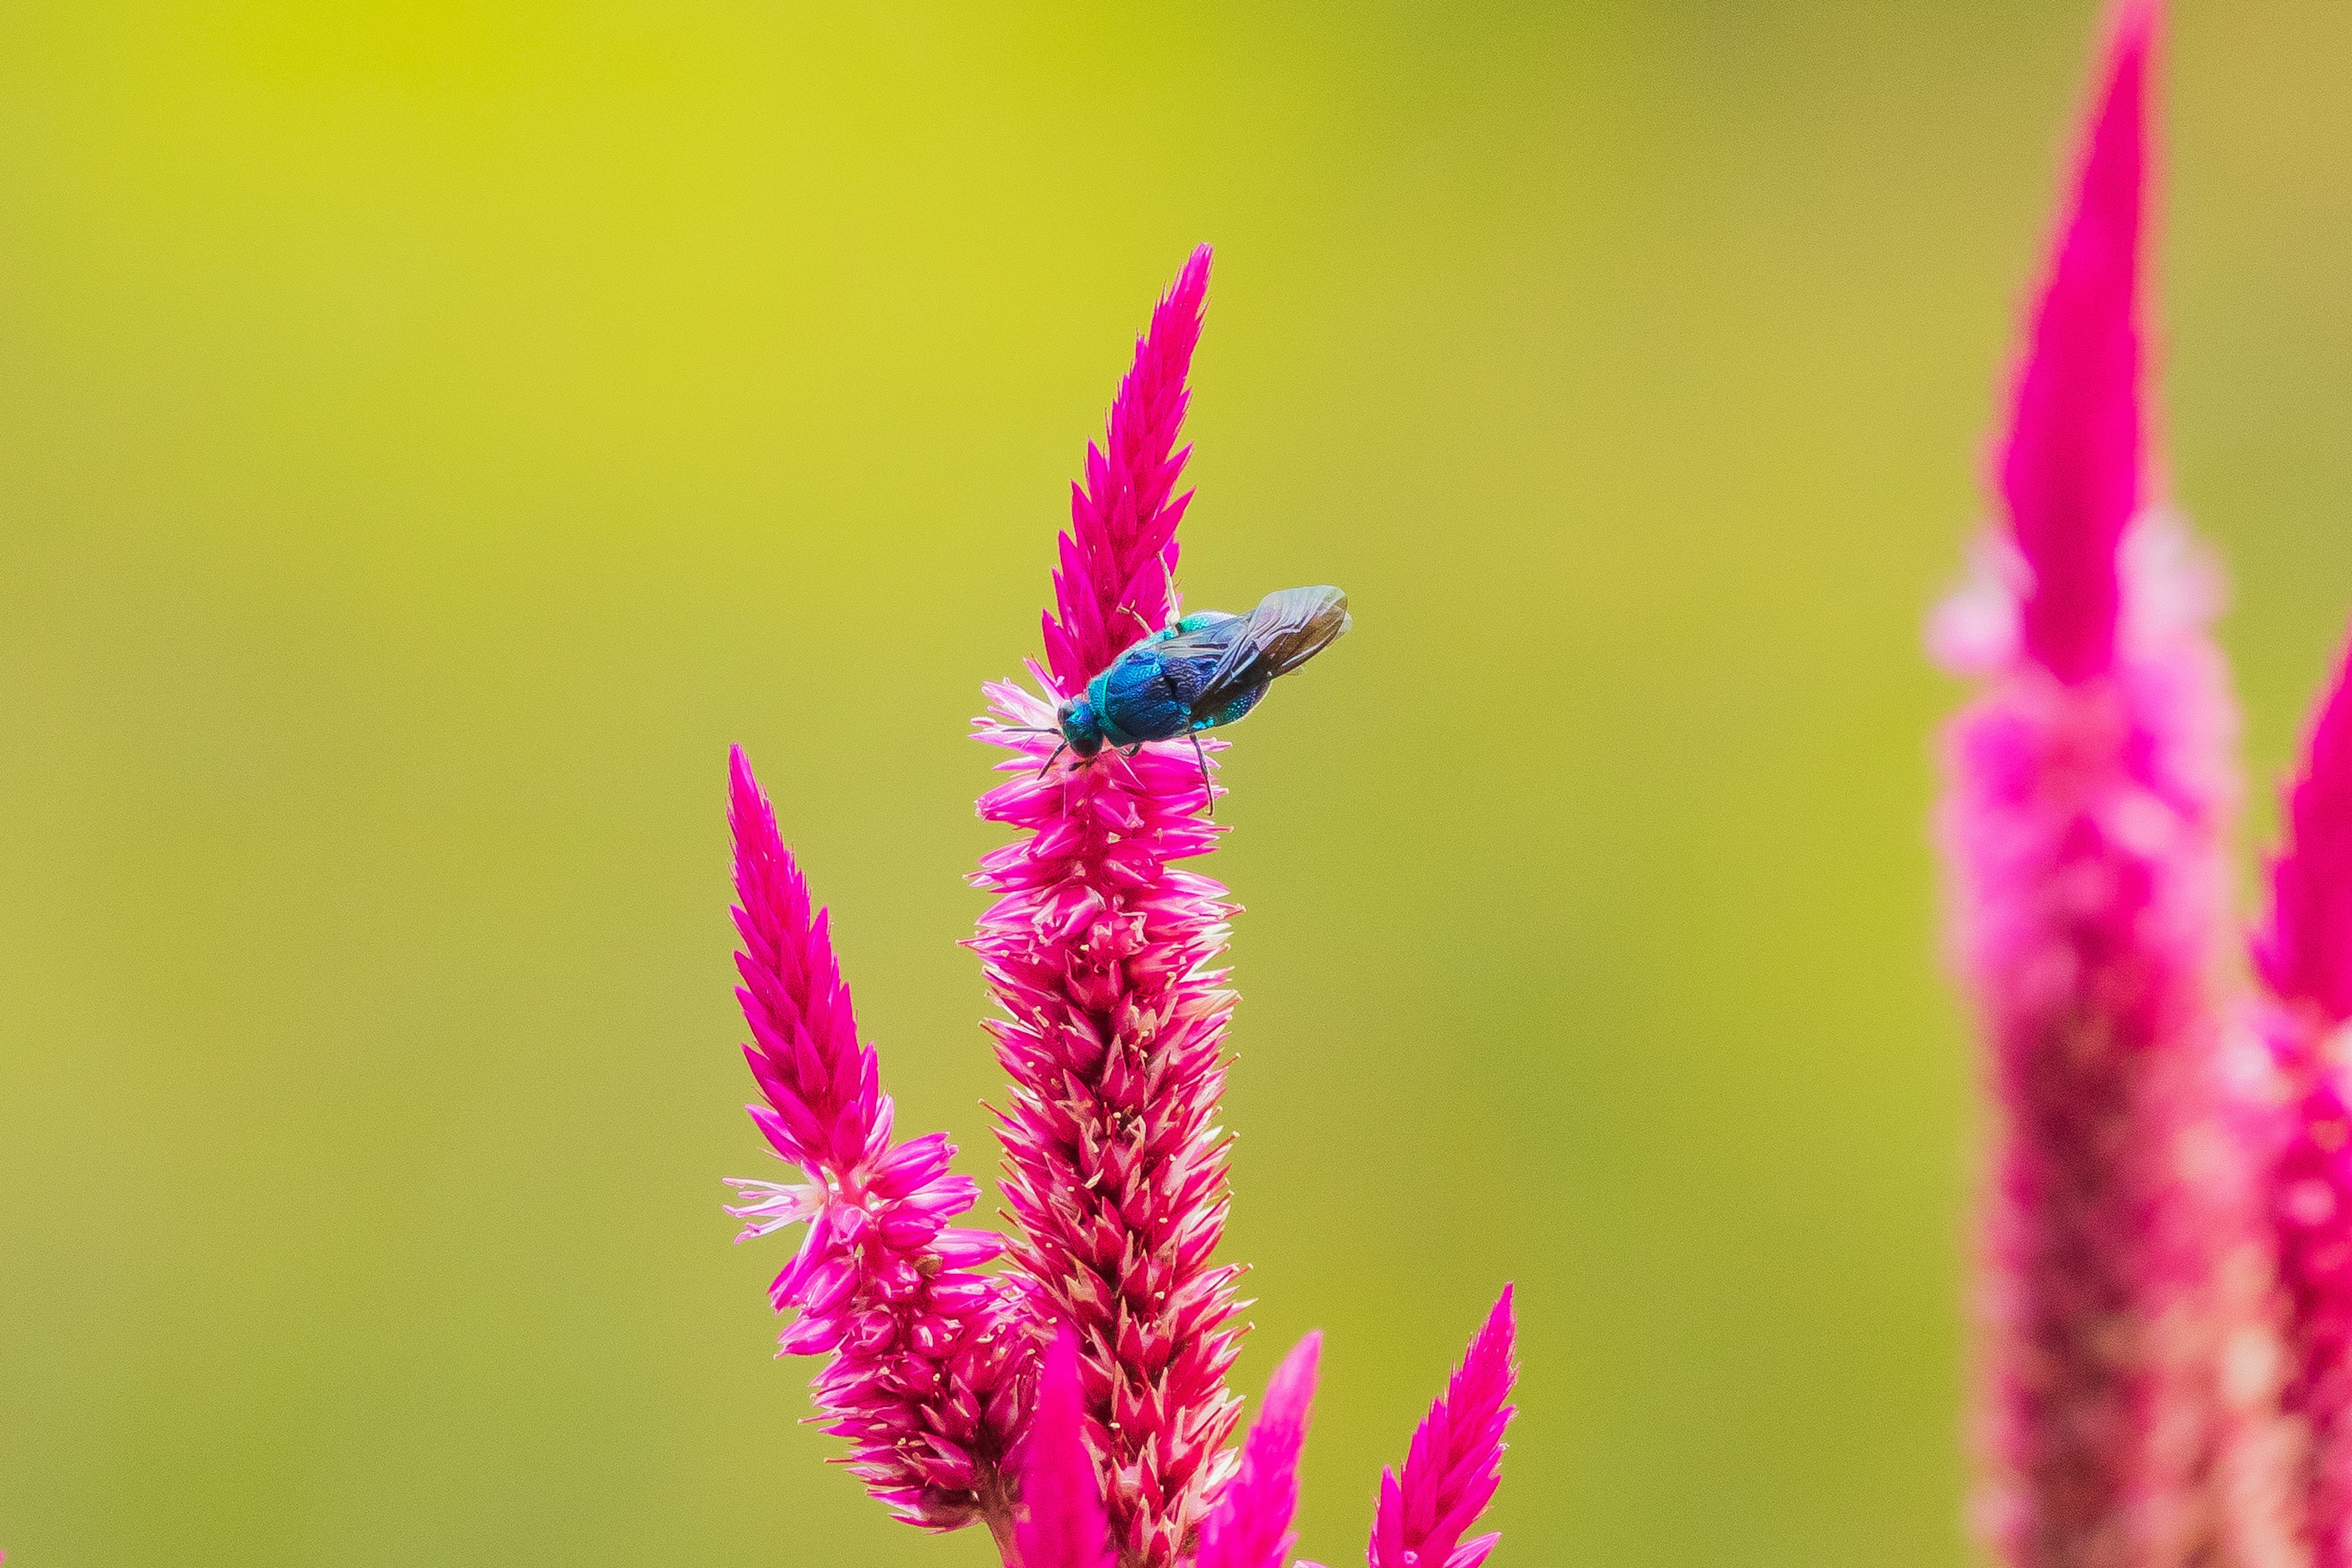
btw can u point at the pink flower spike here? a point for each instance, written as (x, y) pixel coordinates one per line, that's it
(2304, 948)
(2304, 953)
(1455, 1462)
(1249, 1526)
(1117, 582)
(926, 1357)
(2088, 792)
(1062, 1523)
(1103, 951)
(2071, 471)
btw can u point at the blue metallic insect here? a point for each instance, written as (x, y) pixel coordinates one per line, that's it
(1206, 670)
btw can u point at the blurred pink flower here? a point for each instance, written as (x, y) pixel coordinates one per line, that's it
(2303, 953)
(925, 1356)
(2088, 790)
(1100, 952)
(1062, 1523)
(1249, 1524)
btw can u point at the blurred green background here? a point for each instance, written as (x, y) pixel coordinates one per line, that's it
(429, 434)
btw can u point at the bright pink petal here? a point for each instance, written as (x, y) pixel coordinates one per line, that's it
(2071, 471)
(1249, 1527)
(1455, 1462)
(1062, 1523)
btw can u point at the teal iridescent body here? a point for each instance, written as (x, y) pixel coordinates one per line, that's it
(1206, 671)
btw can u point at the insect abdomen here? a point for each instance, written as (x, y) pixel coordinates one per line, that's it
(1231, 710)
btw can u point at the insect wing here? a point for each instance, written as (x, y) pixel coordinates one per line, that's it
(1287, 628)
(1204, 647)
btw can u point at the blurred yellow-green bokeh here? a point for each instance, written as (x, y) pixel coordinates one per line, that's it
(430, 433)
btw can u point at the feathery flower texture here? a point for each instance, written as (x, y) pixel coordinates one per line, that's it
(1075, 1401)
(2088, 792)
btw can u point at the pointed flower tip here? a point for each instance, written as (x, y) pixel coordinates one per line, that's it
(1116, 582)
(2303, 949)
(1063, 1524)
(1490, 1352)
(1292, 1387)
(1249, 1526)
(1191, 284)
(1456, 1460)
(2071, 468)
(743, 795)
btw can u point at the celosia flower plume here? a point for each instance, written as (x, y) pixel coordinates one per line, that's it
(926, 1356)
(2303, 953)
(2088, 792)
(1102, 950)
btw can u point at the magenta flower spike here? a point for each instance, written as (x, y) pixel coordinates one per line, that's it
(1062, 1523)
(2303, 953)
(926, 1356)
(1101, 950)
(2088, 788)
(1107, 1450)
(1249, 1524)
(1455, 1462)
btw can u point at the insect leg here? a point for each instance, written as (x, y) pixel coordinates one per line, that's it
(1208, 794)
(1135, 748)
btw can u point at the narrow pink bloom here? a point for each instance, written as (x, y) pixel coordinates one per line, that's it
(1117, 581)
(2071, 471)
(1062, 1523)
(2304, 950)
(1100, 952)
(1249, 1525)
(2088, 791)
(925, 1356)
(1455, 1462)
(2303, 955)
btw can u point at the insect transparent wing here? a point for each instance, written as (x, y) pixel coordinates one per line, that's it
(1205, 645)
(1287, 628)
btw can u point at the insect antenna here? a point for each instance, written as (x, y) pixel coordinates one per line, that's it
(1049, 761)
(1208, 794)
(1027, 730)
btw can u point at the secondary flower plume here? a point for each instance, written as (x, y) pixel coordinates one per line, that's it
(928, 1356)
(1249, 1526)
(2088, 790)
(2303, 953)
(1075, 1401)
(1454, 1464)
(1062, 1523)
